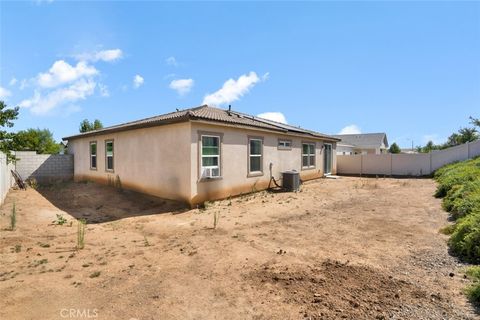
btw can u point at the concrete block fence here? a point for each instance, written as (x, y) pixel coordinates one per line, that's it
(44, 167)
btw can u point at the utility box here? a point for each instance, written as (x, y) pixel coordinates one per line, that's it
(291, 180)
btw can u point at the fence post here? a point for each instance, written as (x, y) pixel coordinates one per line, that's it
(430, 156)
(391, 164)
(468, 150)
(361, 164)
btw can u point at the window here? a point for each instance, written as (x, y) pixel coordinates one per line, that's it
(109, 155)
(308, 155)
(210, 157)
(285, 144)
(93, 155)
(255, 146)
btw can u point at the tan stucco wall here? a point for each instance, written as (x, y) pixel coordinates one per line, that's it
(234, 159)
(151, 160)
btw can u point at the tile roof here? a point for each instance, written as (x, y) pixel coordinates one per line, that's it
(206, 113)
(363, 139)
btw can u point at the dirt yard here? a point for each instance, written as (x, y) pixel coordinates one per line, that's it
(349, 248)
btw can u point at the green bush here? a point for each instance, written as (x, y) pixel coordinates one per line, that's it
(456, 174)
(473, 291)
(463, 199)
(465, 239)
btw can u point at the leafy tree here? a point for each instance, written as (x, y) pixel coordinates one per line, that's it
(6, 121)
(475, 121)
(37, 140)
(86, 125)
(394, 148)
(464, 135)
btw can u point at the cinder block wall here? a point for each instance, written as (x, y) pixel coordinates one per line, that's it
(44, 167)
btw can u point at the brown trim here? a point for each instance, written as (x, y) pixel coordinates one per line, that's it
(201, 133)
(284, 148)
(90, 154)
(314, 154)
(254, 173)
(113, 155)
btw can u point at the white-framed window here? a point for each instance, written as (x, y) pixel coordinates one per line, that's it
(210, 157)
(255, 156)
(284, 144)
(109, 155)
(308, 155)
(93, 155)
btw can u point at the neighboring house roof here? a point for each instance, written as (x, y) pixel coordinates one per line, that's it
(206, 113)
(365, 140)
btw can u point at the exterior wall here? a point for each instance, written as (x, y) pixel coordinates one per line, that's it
(341, 149)
(44, 167)
(151, 160)
(406, 164)
(6, 179)
(234, 162)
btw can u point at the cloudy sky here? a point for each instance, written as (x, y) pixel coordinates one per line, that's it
(411, 69)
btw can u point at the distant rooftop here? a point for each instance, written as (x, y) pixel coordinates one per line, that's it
(206, 113)
(363, 139)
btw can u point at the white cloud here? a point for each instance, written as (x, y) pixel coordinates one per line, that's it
(13, 81)
(104, 55)
(265, 76)
(274, 116)
(182, 86)
(232, 90)
(61, 73)
(351, 129)
(4, 93)
(23, 84)
(138, 81)
(103, 90)
(171, 61)
(41, 104)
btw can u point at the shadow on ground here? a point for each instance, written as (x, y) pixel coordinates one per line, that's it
(100, 203)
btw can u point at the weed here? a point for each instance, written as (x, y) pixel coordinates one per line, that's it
(60, 220)
(18, 248)
(85, 265)
(44, 245)
(81, 234)
(145, 241)
(32, 182)
(216, 218)
(13, 218)
(94, 274)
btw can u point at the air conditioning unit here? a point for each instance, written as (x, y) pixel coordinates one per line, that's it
(210, 172)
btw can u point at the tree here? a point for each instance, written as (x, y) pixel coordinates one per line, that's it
(37, 140)
(6, 121)
(475, 121)
(394, 148)
(86, 125)
(464, 135)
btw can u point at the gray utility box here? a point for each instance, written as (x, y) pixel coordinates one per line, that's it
(291, 180)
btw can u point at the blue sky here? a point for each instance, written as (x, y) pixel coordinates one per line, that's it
(411, 69)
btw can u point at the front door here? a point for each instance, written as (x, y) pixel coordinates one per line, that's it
(327, 159)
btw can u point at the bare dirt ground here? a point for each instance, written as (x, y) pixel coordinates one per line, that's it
(349, 248)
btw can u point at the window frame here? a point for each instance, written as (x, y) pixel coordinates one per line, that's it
(309, 155)
(91, 155)
(113, 155)
(218, 135)
(249, 156)
(283, 147)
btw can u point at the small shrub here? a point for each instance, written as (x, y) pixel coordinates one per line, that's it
(216, 218)
(18, 248)
(60, 220)
(13, 218)
(95, 274)
(81, 234)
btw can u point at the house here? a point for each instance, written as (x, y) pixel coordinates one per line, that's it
(200, 154)
(364, 143)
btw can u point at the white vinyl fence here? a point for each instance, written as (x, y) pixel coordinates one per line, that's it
(6, 179)
(405, 164)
